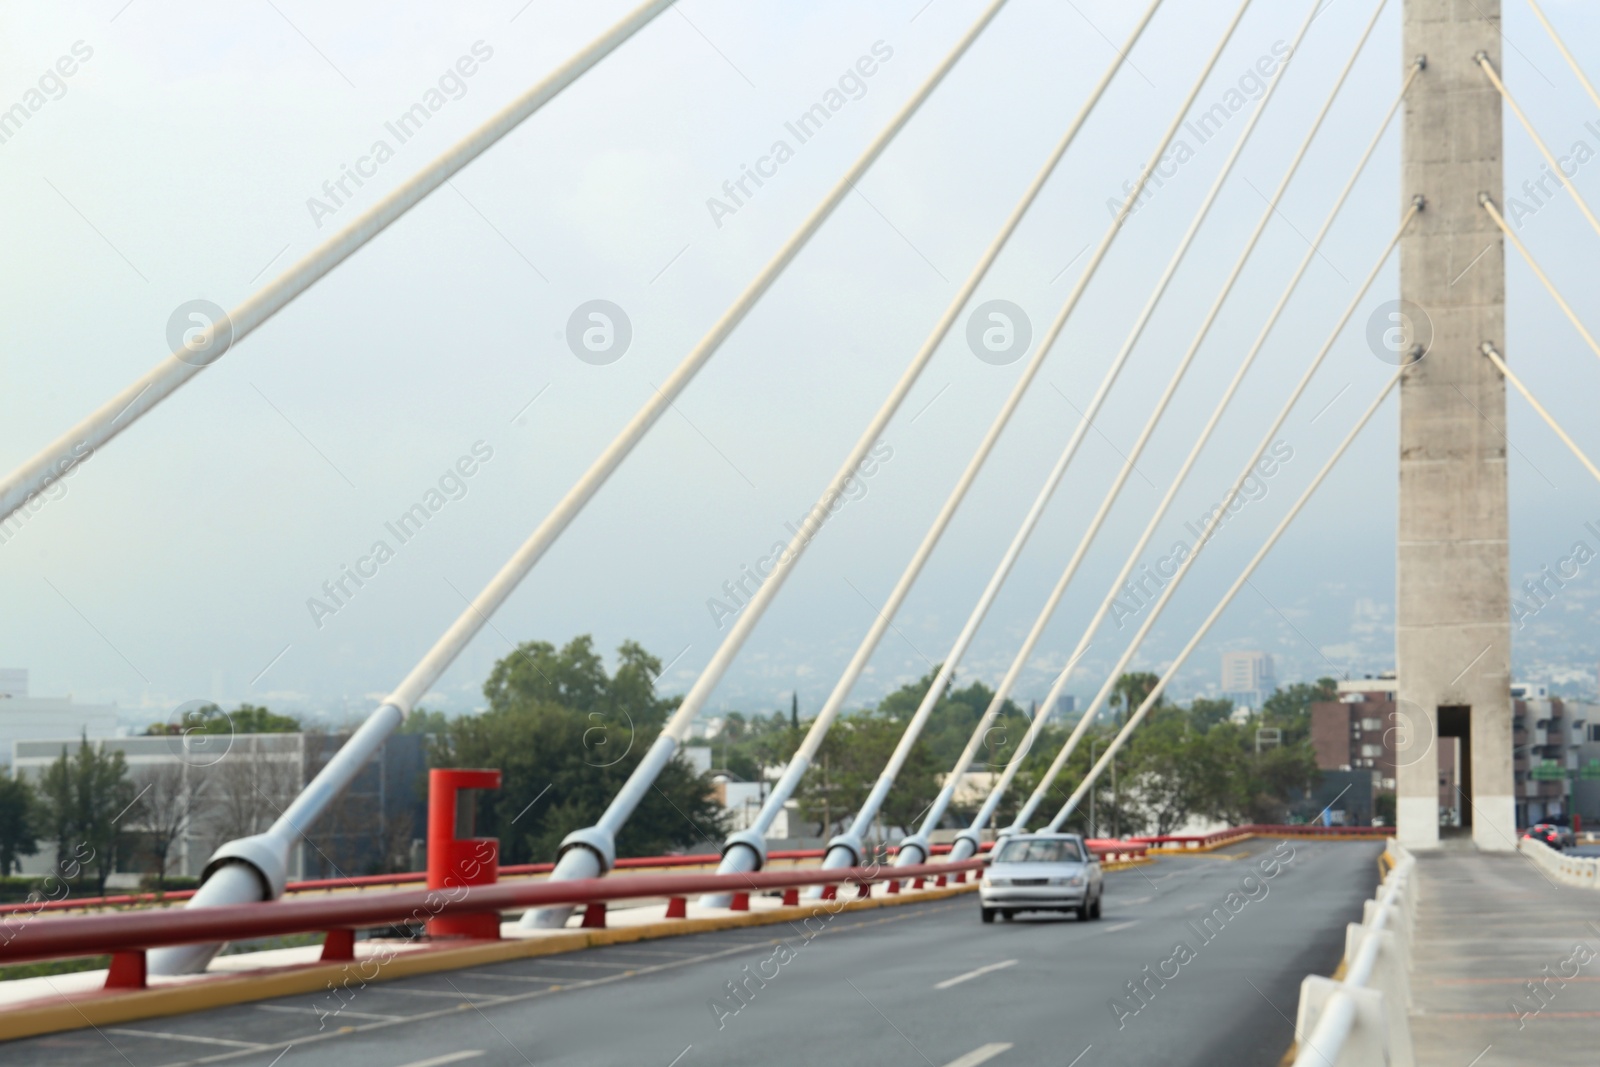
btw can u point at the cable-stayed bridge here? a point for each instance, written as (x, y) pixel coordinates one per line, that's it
(1446, 341)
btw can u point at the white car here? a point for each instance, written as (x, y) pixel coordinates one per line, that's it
(1041, 872)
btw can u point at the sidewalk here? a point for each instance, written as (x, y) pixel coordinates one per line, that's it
(1488, 925)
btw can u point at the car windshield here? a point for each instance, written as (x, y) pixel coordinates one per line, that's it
(1040, 852)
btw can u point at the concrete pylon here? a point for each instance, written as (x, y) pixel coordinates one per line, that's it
(1453, 631)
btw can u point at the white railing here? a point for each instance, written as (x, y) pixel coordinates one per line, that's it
(1363, 1019)
(1570, 870)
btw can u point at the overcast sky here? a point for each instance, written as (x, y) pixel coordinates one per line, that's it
(186, 158)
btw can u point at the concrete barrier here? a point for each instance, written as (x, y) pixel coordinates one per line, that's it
(1581, 871)
(1363, 1018)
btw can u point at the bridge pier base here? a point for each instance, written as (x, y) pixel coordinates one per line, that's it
(1452, 633)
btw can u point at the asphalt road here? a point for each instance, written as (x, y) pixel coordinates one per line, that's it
(917, 985)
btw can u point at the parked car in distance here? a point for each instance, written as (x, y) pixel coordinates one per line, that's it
(1550, 835)
(1041, 872)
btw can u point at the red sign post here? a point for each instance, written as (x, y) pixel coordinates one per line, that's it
(458, 860)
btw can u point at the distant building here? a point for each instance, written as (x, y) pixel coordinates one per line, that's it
(1358, 733)
(26, 718)
(241, 788)
(743, 800)
(1551, 754)
(13, 682)
(1066, 704)
(1247, 678)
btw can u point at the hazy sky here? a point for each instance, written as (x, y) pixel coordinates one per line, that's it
(179, 160)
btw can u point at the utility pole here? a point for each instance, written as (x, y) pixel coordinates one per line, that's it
(1453, 631)
(1093, 789)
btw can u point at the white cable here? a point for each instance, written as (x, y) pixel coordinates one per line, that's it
(128, 406)
(1544, 150)
(1227, 598)
(1566, 308)
(1153, 612)
(589, 851)
(1562, 45)
(952, 659)
(267, 853)
(1494, 355)
(936, 811)
(781, 792)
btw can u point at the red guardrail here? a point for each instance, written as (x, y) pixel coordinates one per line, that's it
(1262, 829)
(370, 881)
(127, 935)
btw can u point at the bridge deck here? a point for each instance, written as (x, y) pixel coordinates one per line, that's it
(1488, 924)
(920, 983)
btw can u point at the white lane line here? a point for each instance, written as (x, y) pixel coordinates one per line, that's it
(449, 1057)
(980, 972)
(920, 911)
(318, 1011)
(1122, 926)
(441, 993)
(163, 1035)
(980, 1055)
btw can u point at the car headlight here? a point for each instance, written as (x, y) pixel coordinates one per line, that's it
(995, 881)
(1076, 879)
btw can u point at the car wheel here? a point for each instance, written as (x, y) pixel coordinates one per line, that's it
(1094, 909)
(1008, 915)
(988, 915)
(1083, 912)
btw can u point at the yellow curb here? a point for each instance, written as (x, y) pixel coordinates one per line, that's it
(101, 1008)
(1200, 850)
(1291, 836)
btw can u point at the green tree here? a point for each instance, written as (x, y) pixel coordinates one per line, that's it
(17, 836)
(747, 745)
(848, 763)
(250, 719)
(82, 800)
(1205, 713)
(1132, 689)
(1289, 709)
(565, 735)
(953, 718)
(245, 719)
(423, 721)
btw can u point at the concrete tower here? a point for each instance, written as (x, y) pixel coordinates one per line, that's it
(1453, 631)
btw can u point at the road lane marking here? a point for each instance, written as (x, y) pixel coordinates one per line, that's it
(162, 1035)
(449, 1057)
(1139, 900)
(319, 1011)
(980, 1055)
(1086, 1049)
(980, 972)
(923, 910)
(1122, 926)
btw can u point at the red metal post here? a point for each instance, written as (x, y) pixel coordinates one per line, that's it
(791, 898)
(678, 908)
(594, 916)
(339, 944)
(127, 970)
(740, 902)
(457, 863)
